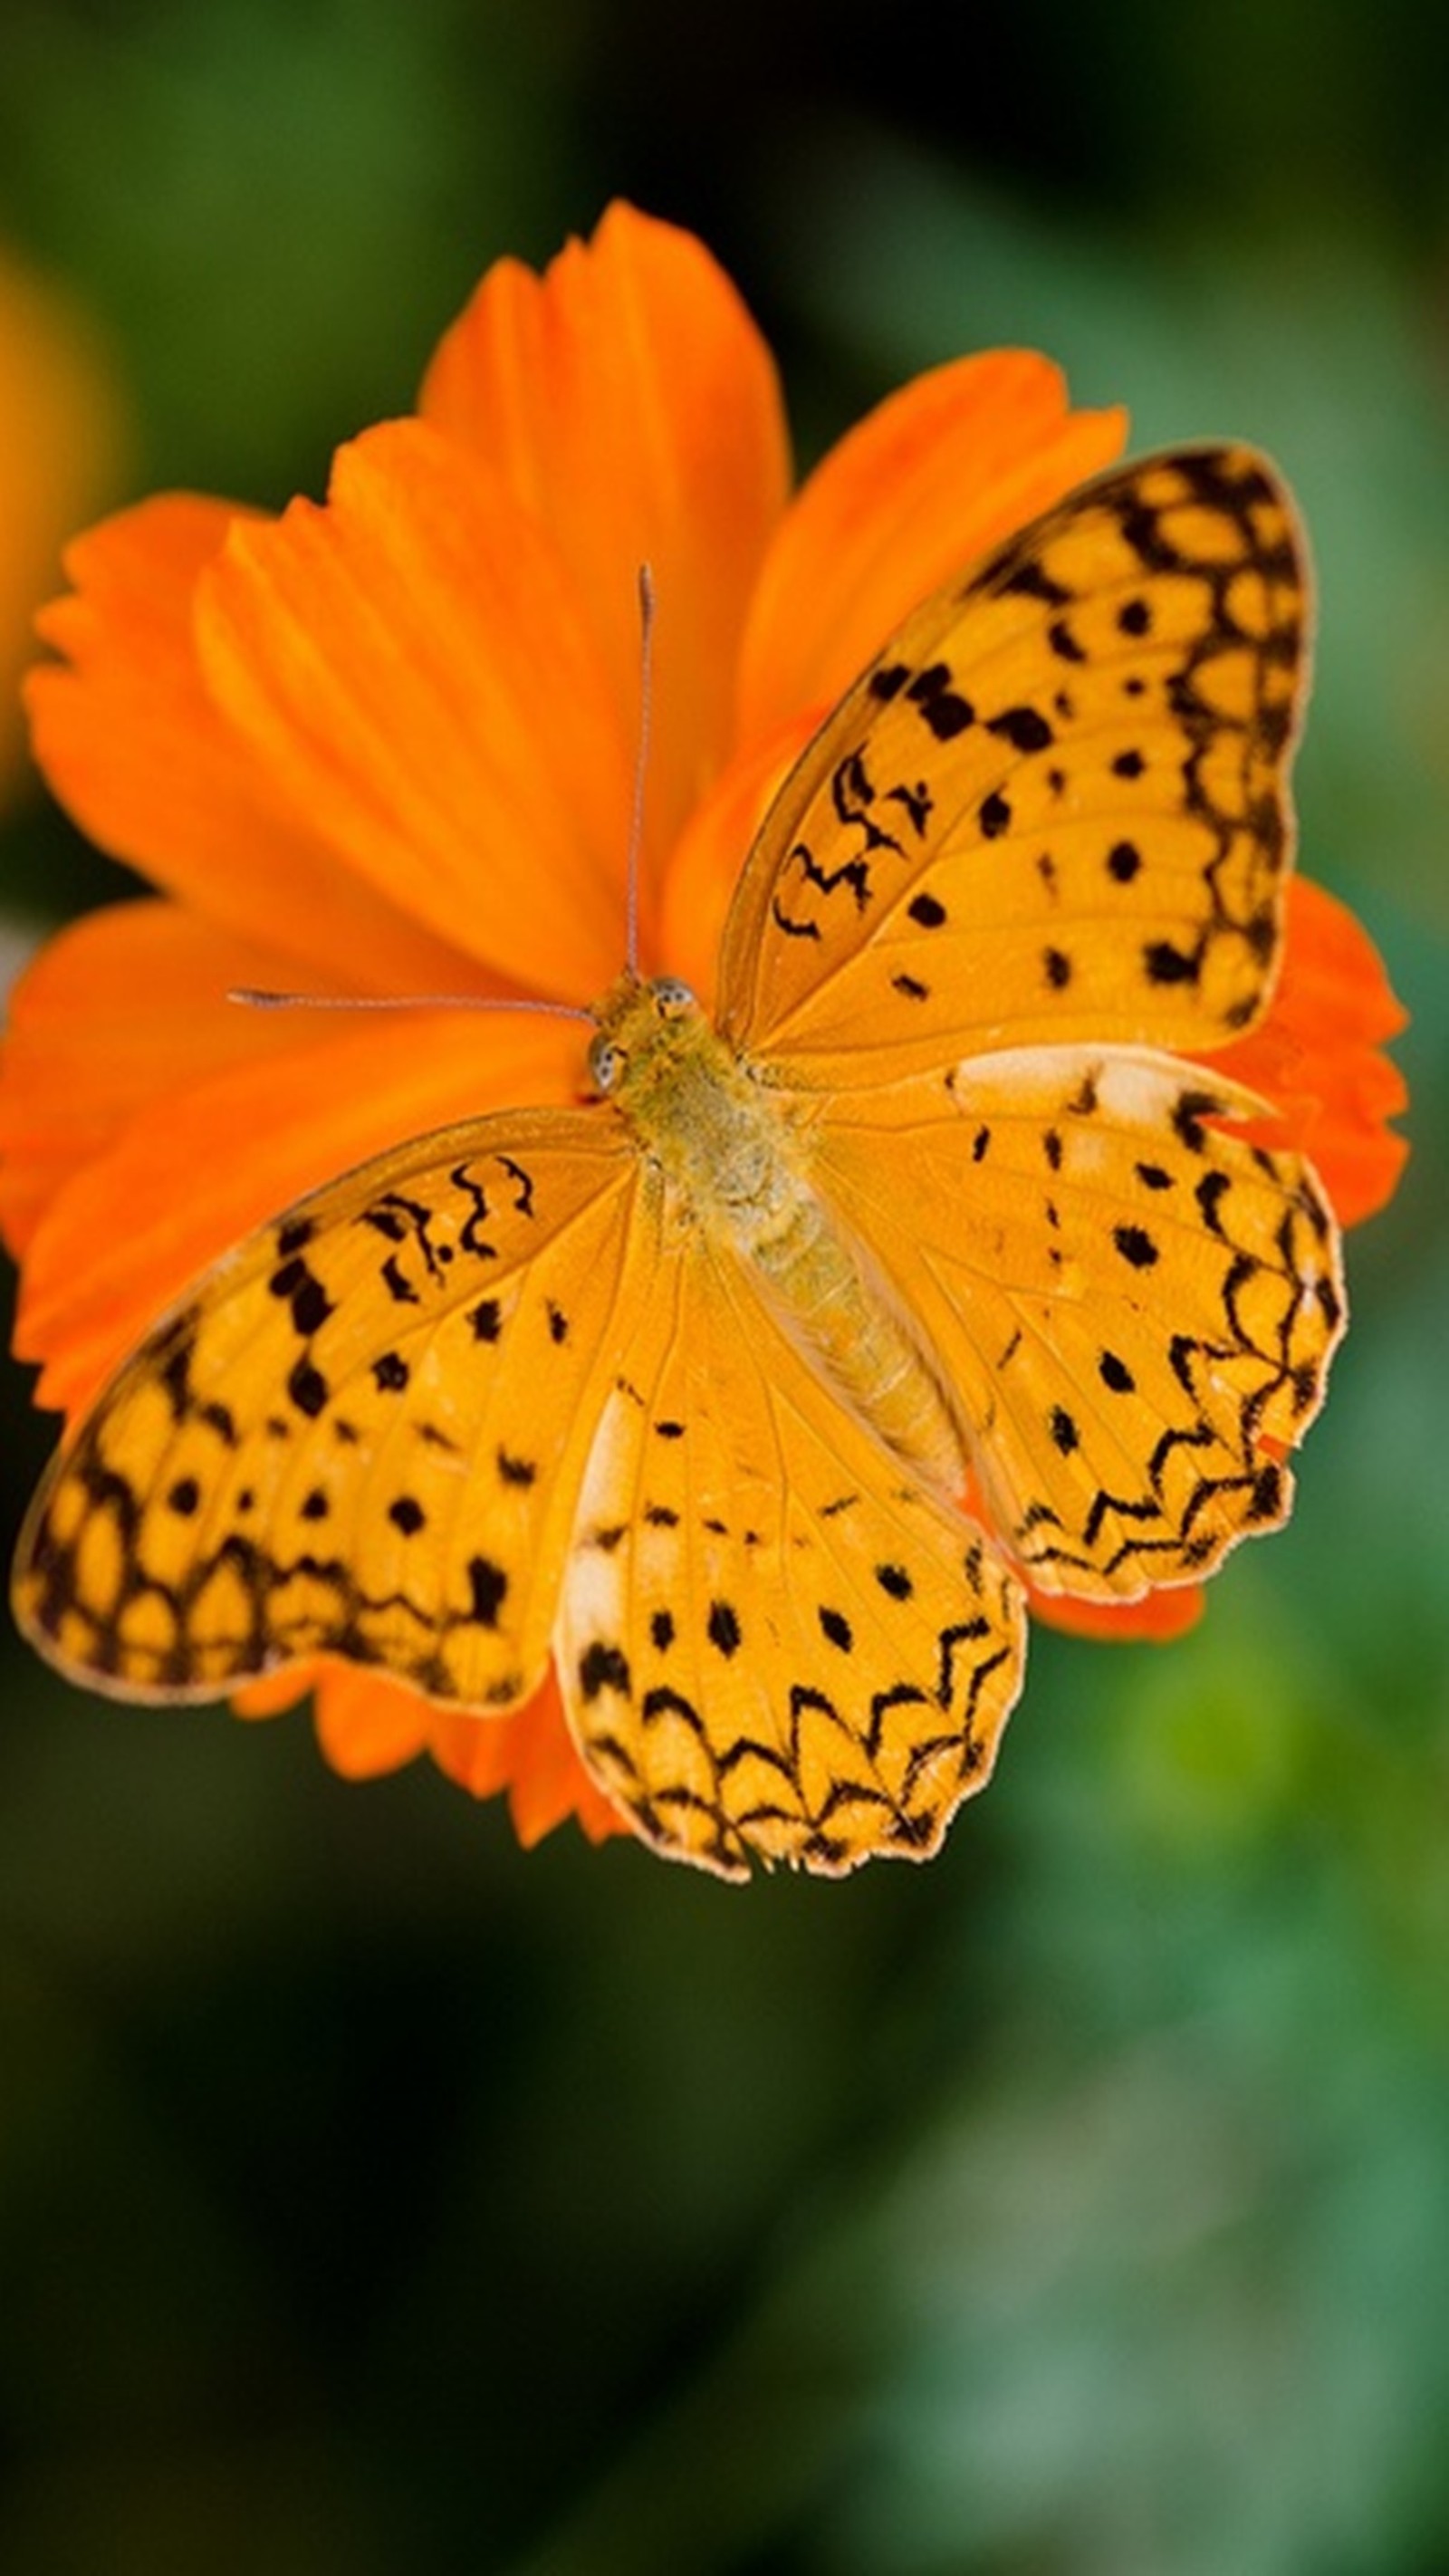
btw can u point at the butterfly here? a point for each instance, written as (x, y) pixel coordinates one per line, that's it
(755, 1388)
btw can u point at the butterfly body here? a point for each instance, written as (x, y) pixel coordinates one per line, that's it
(684, 1390)
(732, 1153)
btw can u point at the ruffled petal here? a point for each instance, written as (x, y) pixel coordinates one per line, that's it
(123, 1008)
(956, 460)
(191, 1174)
(1317, 1054)
(273, 1693)
(531, 1754)
(413, 672)
(1158, 1616)
(367, 1723)
(630, 405)
(133, 747)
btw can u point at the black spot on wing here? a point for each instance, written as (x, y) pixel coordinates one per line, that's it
(723, 1628)
(603, 1667)
(1135, 1245)
(945, 711)
(1025, 728)
(308, 1389)
(488, 1586)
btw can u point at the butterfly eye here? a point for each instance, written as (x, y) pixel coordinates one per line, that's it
(606, 1063)
(672, 998)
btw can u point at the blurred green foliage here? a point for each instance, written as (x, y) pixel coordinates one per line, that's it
(373, 2195)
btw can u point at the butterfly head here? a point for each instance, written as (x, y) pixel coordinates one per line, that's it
(640, 1024)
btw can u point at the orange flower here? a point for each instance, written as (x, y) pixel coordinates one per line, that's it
(62, 433)
(386, 744)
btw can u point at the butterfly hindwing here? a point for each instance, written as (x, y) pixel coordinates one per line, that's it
(774, 1642)
(1134, 1305)
(1053, 808)
(361, 1434)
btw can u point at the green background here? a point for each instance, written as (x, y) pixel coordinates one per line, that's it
(374, 2196)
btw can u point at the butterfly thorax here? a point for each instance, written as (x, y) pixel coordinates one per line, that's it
(731, 1153)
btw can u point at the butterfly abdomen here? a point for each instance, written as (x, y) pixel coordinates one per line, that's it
(846, 1318)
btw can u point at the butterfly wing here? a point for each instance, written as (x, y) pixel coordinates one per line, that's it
(1053, 807)
(1041, 840)
(772, 1642)
(1134, 1307)
(362, 1433)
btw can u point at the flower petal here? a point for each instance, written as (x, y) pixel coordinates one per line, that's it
(629, 403)
(192, 1173)
(366, 1722)
(133, 747)
(125, 1007)
(412, 670)
(941, 470)
(1158, 1616)
(530, 1753)
(273, 1693)
(1317, 1054)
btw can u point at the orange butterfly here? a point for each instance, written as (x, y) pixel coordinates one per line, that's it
(686, 1386)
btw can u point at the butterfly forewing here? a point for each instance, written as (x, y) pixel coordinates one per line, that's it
(362, 1433)
(775, 1643)
(1053, 808)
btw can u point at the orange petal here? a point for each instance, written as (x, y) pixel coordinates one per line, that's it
(956, 460)
(274, 1693)
(193, 1173)
(63, 437)
(123, 1008)
(1168, 1612)
(630, 405)
(133, 747)
(1316, 1054)
(366, 1722)
(413, 672)
(530, 1753)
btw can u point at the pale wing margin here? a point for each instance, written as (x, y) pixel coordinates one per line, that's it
(361, 1434)
(774, 1643)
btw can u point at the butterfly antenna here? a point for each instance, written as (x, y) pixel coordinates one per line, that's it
(641, 759)
(257, 997)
